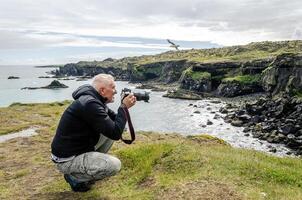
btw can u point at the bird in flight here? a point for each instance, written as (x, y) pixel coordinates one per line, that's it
(173, 45)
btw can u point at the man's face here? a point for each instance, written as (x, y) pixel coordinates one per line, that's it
(109, 91)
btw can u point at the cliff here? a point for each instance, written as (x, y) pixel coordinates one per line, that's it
(228, 71)
(284, 74)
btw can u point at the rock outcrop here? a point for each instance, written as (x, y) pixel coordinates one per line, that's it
(13, 77)
(284, 74)
(233, 89)
(53, 85)
(221, 77)
(90, 71)
(166, 72)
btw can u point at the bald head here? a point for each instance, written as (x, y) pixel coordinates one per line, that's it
(105, 86)
(102, 80)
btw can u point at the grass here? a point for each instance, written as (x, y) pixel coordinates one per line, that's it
(297, 93)
(244, 79)
(196, 75)
(21, 116)
(156, 166)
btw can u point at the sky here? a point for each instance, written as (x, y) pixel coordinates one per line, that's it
(62, 31)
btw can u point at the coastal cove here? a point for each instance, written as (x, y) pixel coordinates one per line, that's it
(186, 117)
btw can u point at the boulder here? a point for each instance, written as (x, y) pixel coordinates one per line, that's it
(237, 123)
(55, 85)
(13, 77)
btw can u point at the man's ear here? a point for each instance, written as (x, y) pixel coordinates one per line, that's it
(101, 91)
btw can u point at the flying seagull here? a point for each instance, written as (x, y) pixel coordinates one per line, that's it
(173, 45)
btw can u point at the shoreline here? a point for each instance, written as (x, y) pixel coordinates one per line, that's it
(213, 106)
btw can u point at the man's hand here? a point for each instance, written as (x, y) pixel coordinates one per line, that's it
(129, 100)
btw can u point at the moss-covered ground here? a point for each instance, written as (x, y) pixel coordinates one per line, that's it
(156, 166)
(197, 75)
(244, 79)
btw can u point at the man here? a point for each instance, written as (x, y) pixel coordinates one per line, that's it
(86, 132)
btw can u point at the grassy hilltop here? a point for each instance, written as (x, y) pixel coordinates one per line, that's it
(251, 51)
(156, 166)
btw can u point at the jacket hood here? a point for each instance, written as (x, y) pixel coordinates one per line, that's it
(87, 90)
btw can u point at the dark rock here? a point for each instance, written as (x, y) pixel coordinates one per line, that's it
(53, 85)
(246, 129)
(268, 127)
(237, 123)
(109, 59)
(270, 139)
(223, 110)
(209, 122)
(240, 112)
(227, 120)
(299, 133)
(244, 118)
(197, 112)
(216, 116)
(215, 101)
(273, 150)
(256, 134)
(13, 77)
(287, 129)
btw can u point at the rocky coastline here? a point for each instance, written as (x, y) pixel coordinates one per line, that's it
(247, 73)
(275, 119)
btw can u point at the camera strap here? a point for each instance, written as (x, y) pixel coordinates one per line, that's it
(131, 129)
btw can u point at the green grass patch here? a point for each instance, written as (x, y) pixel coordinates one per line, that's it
(20, 173)
(297, 93)
(196, 75)
(139, 161)
(244, 79)
(4, 191)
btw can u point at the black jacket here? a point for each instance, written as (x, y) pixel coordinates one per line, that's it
(83, 121)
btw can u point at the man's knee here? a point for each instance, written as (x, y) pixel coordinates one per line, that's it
(104, 165)
(115, 165)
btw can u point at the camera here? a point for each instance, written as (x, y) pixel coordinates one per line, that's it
(139, 96)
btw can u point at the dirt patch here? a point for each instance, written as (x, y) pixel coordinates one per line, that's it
(147, 182)
(201, 190)
(207, 140)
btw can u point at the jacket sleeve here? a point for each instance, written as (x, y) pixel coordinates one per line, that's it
(101, 122)
(111, 114)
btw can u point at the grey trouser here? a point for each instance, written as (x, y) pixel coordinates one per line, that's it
(92, 166)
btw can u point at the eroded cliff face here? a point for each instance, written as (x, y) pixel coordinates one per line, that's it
(219, 72)
(166, 72)
(280, 74)
(90, 71)
(284, 74)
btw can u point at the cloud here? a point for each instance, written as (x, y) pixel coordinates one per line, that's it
(177, 19)
(145, 24)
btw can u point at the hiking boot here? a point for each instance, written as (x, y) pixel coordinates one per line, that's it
(77, 186)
